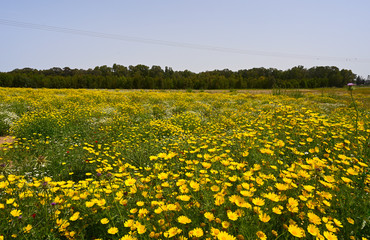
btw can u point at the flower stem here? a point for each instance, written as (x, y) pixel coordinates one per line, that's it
(356, 121)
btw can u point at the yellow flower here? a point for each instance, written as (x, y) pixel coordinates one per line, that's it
(296, 231)
(313, 218)
(158, 210)
(258, 201)
(225, 236)
(16, 212)
(184, 198)
(261, 235)
(338, 223)
(75, 216)
(351, 221)
(225, 224)
(162, 176)
(27, 228)
(172, 232)
(104, 221)
(232, 215)
(330, 227)
(219, 200)
(246, 193)
(194, 185)
(209, 216)
(272, 196)
(214, 231)
(281, 186)
(129, 223)
(346, 180)
(180, 182)
(143, 212)
(233, 198)
(293, 202)
(196, 232)
(313, 230)
(276, 210)
(140, 203)
(128, 237)
(264, 217)
(89, 204)
(352, 171)
(141, 229)
(101, 202)
(113, 230)
(183, 220)
(172, 207)
(233, 178)
(130, 182)
(330, 236)
(133, 210)
(293, 209)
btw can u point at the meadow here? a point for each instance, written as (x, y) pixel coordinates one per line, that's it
(99, 164)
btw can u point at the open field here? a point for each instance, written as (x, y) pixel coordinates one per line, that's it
(251, 164)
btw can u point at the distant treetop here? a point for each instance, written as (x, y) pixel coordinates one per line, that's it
(144, 77)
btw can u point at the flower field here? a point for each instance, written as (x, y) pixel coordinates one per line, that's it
(98, 164)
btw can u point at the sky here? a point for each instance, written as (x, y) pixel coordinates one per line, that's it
(197, 35)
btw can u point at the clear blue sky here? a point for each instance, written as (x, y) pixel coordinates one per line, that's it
(197, 35)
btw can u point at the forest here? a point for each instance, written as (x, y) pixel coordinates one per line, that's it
(144, 77)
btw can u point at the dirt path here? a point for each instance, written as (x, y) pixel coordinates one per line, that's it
(6, 139)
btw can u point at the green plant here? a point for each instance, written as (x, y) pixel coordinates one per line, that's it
(276, 90)
(350, 89)
(296, 93)
(4, 126)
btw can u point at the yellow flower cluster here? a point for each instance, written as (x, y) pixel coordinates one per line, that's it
(157, 165)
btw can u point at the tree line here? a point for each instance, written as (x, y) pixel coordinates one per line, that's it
(144, 77)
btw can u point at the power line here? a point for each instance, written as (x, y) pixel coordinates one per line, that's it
(126, 38)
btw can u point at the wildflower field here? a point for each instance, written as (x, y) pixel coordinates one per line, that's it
(98, 164)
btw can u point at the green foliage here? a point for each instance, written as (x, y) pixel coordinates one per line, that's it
(189, 90)
(295, 93)
(144, 77)
(276, 91)
(4, 125)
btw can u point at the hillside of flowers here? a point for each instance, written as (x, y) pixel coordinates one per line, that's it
(99, 164)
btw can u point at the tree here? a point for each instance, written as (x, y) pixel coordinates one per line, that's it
(347, 77)
(360, 80)
(119, 70)
(141, 76)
